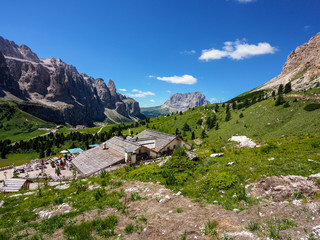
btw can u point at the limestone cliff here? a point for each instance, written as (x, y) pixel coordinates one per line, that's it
(302, 68)
(55, 91)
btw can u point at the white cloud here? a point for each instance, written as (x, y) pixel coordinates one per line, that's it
(307, 28)
(213, 100)
(185, 79)
(237, 50)
(150, 76)
(188, 52)
(152, 100)
(123, 89)
(140, 94)
(169, 91)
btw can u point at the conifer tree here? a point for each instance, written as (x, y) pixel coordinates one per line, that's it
(280, 89)
(279, 100)
(287, 88)
(228, 116)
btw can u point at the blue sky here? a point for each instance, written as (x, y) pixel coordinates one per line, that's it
(154, 48)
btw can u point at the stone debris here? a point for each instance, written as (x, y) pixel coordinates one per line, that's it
(192, 156)
(62, 187)
(316, 231)
(271, 159)
(215, 155)
(316, 176)
(132, 190)
(280, 188)
(244, 141)
(314, 207)
(92, 187)
(164, 161)
(230, 163)
(45, 214)
(62, 208)
(178, 193)
(310, 160)
(1, 203)
(241, 234)
(20, 194)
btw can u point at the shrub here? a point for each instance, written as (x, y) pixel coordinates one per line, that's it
(253, 226)
(270, 146)
(219, 181)
(312, 106)
(286, 105)
(179, 210)
(209, 227)
(105, 227)
(129, 228)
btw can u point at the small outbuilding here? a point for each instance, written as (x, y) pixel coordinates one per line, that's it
(15, 184)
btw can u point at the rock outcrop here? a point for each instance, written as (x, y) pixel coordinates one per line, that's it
(57, 92)
(184, 101)
(302, 68)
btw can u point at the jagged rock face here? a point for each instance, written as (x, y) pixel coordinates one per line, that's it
(10, 49)
(302, 68)
(73, 98)
(305, 56)
(182, 102)
(6, 80)
(104, 93)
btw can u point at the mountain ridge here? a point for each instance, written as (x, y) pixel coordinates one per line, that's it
(65, 95)
(302, 68)
(177, 102)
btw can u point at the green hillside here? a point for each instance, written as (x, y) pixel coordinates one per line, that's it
(259, 121)
(151, 112)
(17, 125)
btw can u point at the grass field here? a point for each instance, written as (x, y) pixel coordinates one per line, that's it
(18, 125)
(18, 159)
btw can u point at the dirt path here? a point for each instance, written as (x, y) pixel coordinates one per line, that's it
(169, 216)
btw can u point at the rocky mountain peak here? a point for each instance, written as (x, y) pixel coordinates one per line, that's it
(184, 101)
(302, 68)
(112, 88)
(305, 56)
(28, 54)
(10, 49)
(62, 94)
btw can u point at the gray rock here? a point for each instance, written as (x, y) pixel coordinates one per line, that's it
(192, 156)
(215, 155)
(182, 102)
(56, 91)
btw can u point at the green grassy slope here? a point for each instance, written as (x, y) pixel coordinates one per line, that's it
(151, 112)
(261, 120)
(18, 125)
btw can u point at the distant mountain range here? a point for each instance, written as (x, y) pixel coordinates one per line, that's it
(55, 91)
(176, 103)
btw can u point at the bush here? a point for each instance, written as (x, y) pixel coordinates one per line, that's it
(312, 107)
(129, 228)
(286, 105)
(219, 181)
(270, 146)
(209, 227)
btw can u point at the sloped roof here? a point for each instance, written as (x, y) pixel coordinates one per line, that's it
(121, 145)
(13, 184)
(95, 159)
(161, 139)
